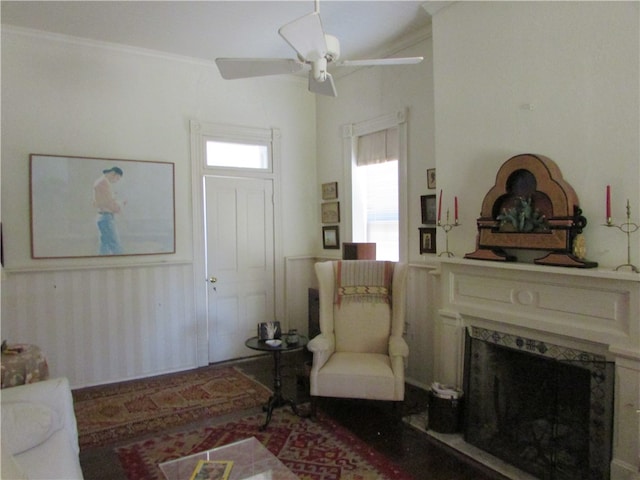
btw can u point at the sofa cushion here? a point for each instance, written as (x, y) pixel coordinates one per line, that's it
(54, 459)
(9, 468)
(25, 425)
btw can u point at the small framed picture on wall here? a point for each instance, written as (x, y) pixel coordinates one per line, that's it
(331, 212)
(427, 240)
(331, 237)
(330, 191)
(428, 209)
(431, 178)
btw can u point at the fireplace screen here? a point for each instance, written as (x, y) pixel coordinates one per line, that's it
(545, 409)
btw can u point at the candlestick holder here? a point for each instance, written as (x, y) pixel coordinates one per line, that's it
(628, 228)
(447, 227)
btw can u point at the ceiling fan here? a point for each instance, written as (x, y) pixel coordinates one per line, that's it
(316, 51)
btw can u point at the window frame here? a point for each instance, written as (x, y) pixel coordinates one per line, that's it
(242, 136)
(350, 134)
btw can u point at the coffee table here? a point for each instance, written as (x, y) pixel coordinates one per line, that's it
(251, 461)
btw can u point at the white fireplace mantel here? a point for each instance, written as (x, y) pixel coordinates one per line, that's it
(595, 310)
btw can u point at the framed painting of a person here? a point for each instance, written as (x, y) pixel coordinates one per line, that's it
(95, 207)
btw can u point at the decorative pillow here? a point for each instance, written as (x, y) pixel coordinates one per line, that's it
(25, 425)
(9, 469)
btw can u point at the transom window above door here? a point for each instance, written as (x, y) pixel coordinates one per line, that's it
(221, 154)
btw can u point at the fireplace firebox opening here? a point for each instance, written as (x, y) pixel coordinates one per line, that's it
(543, 408)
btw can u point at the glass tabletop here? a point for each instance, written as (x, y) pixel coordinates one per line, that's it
(251, 461)
(256, 344)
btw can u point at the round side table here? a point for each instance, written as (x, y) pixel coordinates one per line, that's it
(277, 399)
(24, 363)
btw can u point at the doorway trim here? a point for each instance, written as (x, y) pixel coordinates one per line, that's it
(199, 133)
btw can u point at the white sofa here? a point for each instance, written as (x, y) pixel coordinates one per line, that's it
(39, 432)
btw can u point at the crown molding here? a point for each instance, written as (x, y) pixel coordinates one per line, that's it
(433, 7)
(86, 42)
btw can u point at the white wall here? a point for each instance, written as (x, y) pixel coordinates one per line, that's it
(69, 97)
(577, 65)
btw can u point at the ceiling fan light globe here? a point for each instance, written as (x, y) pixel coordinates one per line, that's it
(320, 69)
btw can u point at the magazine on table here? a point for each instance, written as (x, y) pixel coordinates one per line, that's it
(212, 470)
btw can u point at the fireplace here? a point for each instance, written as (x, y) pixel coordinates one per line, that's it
(543, 408)
(557, 325)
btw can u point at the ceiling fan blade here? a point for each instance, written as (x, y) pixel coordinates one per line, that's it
(322, 88)
(306, 36)
(232, 68)
(372, 62)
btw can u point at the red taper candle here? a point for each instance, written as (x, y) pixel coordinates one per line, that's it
(455, 208)
(608, 202)
(440, 207)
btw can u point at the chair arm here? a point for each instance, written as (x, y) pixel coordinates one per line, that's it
(322, 343)
(322, 347)
(398, 347)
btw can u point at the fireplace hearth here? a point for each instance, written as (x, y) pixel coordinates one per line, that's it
(545, 409)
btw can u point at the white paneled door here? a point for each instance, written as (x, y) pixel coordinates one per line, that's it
(240, 262)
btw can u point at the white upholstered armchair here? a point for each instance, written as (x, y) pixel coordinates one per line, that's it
(360, 352)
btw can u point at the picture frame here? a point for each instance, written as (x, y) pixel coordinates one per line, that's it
(330, 191)
(427, 240)
(269, 330)
(431, 178)
(428, 209)
(331, 237)
(330, 212)
(212, 470)
(100, 207)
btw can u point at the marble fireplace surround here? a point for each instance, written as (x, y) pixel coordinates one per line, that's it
(594, 310)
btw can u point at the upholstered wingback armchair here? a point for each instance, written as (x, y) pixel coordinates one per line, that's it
(360, 352)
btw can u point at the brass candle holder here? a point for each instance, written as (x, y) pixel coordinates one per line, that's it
(628, 228)
(447, 227)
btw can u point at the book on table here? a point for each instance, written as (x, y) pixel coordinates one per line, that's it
(212, 470)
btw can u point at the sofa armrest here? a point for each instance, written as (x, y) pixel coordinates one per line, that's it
(54, 393)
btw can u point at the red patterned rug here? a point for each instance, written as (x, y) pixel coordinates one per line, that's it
(111, 413)
(317, 449)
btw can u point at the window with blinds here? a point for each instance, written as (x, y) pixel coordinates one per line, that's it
(375, 193)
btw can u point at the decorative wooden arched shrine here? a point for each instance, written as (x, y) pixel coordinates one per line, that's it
(530, 207)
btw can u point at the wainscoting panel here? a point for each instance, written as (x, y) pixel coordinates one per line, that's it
(104, 325)
(419, 329)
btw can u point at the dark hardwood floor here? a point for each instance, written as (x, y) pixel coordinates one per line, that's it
(379, 424)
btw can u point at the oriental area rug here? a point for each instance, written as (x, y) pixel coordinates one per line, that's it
(113, 413)
(318, 449)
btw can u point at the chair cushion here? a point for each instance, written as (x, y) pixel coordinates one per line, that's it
(362, 327)
(357, 375)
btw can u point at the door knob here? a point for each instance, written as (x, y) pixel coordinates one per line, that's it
(212, 280)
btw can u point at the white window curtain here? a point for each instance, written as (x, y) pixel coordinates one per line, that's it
(377, 147)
